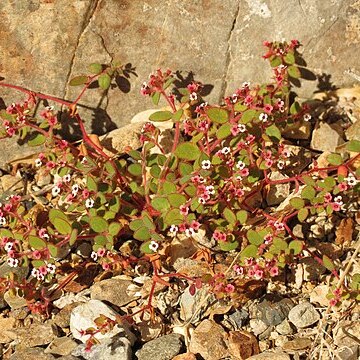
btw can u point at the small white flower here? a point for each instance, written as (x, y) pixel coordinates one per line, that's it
(193, 96)
(55, 191)
(240, 165)
(8, 246)
(74, 189)
(40, 276)
(94, 255)
(173, 229)
(225, 150)
(34, 272)
(286, 153)
(50, 108)
(234, 98)
(210, 190)
(84, 160)
(338, 200)
(66, 178)
(242, 128)
(203, 105)
(189, 232)
(205, 164)
(307, 117)
(280, 103)
(351, 180)
(245, 84)
(89, 203)
(13, 262)
(202, 200)
(263, 117)
(153, 246)
(51, 268)
(2, 221)
(281, 164)
(38, 162)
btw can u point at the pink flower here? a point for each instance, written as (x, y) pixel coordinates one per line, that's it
(336, 206)
(249, 261)
(36, 254)
(327, 197)
(268, 108)
(50, 164)
(337, 293)
(251, 273)
(259, 274)
(106, 266)
(244, 172)
(333, 302)
(101, 252)
(229, 288)
(10, 131)
(343, 186)
(184, 210)
(268, 163)
(43, 270)
(234, 130)
(238, 269)
(195, 225)
(7, 207)
(274, 271)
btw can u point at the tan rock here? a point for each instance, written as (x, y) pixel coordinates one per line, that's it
(7, 333)
(242, 344)
(325, 138)
(36, 334)
(61, 346)
(187, 356)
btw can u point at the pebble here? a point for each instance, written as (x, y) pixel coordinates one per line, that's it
(304, 315)
(61, 346)
(285, 328)
(239, 318)
(36, 334)
(162, 348)
(267, 355)
(31, 354)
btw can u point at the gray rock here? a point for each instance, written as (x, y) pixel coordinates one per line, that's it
(238, 318)
(162, 348)
(15, 301)
(61, 346)
(37, 334)
(31, 354)
(258, 326)
(21, 272)
(325, 138)
(116, 348)
(268, 355)
(82, 317)
(347, 334)
(113, 290)
(284, 328)
(62, 318)
(279, 192)
(303, 315)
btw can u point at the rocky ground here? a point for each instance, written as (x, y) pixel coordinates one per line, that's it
(287, 318)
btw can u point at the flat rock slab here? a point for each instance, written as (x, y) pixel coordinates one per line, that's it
(304, 315)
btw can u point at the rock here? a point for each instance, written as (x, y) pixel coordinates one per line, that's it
(83, 316)
(84, 249)
(162, 348)
(238, 318)
(7, 333)
(208, 340)
(242, 344)
(116, 348)
(61, 346)
(318, 295)
(113, 290)
(20, 314)
(21, 272)
(325, 138)
(70, 298)
(353, 131)
(299, 131)
(303, 315)
(31, 354)
(14, 300)
(187, 356)
(62, 318)
(42, 177)
(194, 306)
(279, 192)
(267, 355)
(190, 267)
(117, 141)
(37, 334)
(346, 353)
(258, 326)
(347, 334)
(11, 183)
(284, 328)
(297, 344)
(311, 269)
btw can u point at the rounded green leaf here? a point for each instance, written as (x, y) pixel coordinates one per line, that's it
(100, 240)
(91, 183)
(297, 203)
(247, 116)
(289, 58)
(114, 228)
(142, 234)
(230, 216)
(249, 252)
(273, 132)
(187, 151)
(161, 116)
(135, 169)
(327, 262)
(53, 249)
(155, 97)
(254, 237)
(36, 242)
(334, 159)
(303, 214)
(240, 107)
(294, 71)
(308, 192)
(353, 145)
(177, 116)
(296, 246)
(55, 213)
(173, 217)
(78, 80)
(104, 81)
(224, 131)
(228, 246)
(242, 215)
(217, 115)
(37, 140)
(98, 224)
(176, 200)
(145, 248)
(95, 68)
(160, 203)
(62, 226)
(73, 236)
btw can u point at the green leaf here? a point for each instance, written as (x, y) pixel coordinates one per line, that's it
(303, 214)
(273, 132)
(53, 249)
(294, 71)
(296, 246)
(275, 61)
(353, 145)
(240, 107)
(160, 203)
(334, 159)
(297, 203)
(289, 58)
(328, 264)
(136, 224)
(37, 140)
(36, 242)
(62, 226)
(91, 183)
(247, 116)
(249, 252)
(98, 224)
(217, 115)
(155, 97)
(242, 215)
(95, 68)
(145, 248)
(229, 216)
(228, 246)
(254, 237)
(55, 213)
(104, 81)
(135, 169)
(161, 116)
(308, 192)
(224, 131)
(78, 80)
(142, 234)
(114, 228)
(187, 151)
(173, 217)
(176, 200)
(177, 116)
(279, 244)
(295, 108)
(73, 236)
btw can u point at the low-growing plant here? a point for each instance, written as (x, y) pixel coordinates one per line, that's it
(205, 186)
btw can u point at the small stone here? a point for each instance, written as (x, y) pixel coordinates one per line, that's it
(162, 348)
(14, 300)
(20, 314)
(267, 355)
(279, 192)
(238, 318)
(284, 328)
(21, 271)
(11, 183)
(209, 341)
(31, 354)
(299, 131)
(297, 344)
(187, 356)
(42, 177)
(61, 346)
(347, 334)
(113, 290)
(62, 318)
(7, 333)
(84, 249)
(325, 138)
(83, 316)
(242, 344)
(37, 334)
(116, 348)
(312, 269)
(258, 326)
(318, 295)
(303, 315)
